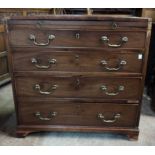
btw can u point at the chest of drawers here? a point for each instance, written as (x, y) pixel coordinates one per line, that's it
(78, 73)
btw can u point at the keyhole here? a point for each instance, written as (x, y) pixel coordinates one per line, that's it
(77, 58)
(77, 85)
(114, 25)
(38, 25)
(77, 36)
(77, 82)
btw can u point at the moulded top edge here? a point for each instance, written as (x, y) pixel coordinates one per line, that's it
(83, 17)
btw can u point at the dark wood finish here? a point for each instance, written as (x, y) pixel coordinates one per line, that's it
(103, 18)
(67, 38)
(85, 114)
(62, 23)
(78, 60)
(78, 92)
(80, 87)
(24, 130)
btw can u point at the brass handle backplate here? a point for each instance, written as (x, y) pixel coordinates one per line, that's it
(33, 38)
(120, 65)
(102, 117)
(37, 87)
(37, 65)
(104, 88)
(106, 40)
(50, 116)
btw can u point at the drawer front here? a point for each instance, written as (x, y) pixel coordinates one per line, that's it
(114, 24)
(92, 87)
(87, 114)
(77, 60)
(76, 38)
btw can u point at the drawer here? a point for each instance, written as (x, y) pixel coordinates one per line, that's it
(71, 23)
(86, 114)
(77, 60)
(79, 86)
(76, 38)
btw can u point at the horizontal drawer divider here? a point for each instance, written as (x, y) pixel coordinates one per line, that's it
(72, 74)
(77, 100)
(73, 49)
(69, 47)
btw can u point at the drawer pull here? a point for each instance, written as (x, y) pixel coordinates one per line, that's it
(102, 117)
(33, 38)
(52, 88)
(51, 115)
(120, 65)
(104, 88)
(105, 40)
(37, 65)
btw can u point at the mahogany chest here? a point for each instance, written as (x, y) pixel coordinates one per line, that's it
(78, 72)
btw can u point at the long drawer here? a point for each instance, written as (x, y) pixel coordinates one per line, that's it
(76, 86)
(112, 24)
(76, 38)
(86, 114)
(77, 60)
